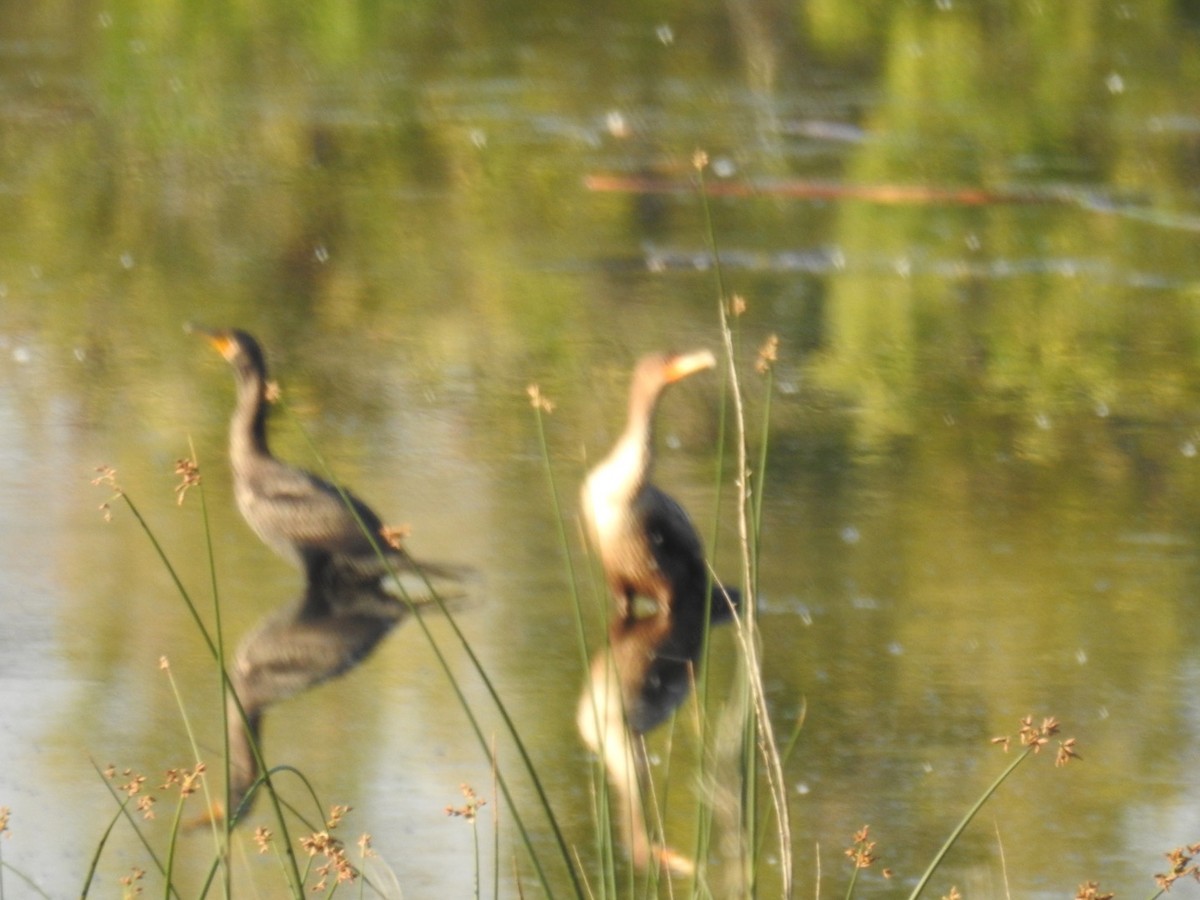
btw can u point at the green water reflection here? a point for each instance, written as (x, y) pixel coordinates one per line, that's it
(983, 458)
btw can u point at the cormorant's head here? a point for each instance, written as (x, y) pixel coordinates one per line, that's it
(238, 347)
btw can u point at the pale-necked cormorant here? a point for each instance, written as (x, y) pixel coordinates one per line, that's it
(649, 548)
(640, 532)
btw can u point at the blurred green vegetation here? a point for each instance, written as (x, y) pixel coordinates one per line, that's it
(983, 459)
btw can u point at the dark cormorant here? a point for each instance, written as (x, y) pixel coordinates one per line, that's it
(303, 518)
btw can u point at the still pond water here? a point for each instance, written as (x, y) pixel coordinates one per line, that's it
(972, 226)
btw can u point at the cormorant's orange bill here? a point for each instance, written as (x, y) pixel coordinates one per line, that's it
(686, 364)
(219, 338)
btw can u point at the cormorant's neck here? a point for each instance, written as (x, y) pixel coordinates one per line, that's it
(633, 454)
(248, 428)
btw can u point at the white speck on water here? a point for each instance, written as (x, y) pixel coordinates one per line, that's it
(948, 419)
(665, 34)
(1102, 712)
(837, 259)
(616, 124)
(1115, 83)
(973, 242)
(903, 267)
(21, 355)
(1043, 421)
(895, 648)
(1102, 409)
(478, 138)
(80, 354)
(1081, 656)
(803, 789)
(723, 167)
(106, 20)
(673, 441)
(321, 253)
(1188, 449)
(654, 759)
(126, 260)
(928, 767)
(850, 535)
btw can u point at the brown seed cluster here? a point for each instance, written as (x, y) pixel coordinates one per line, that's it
(189, 477)
(470, 809)
(106, 476)
(861, 852)
(768, 355)
(1090, 890)
(322, 843)
(1035, 737)
(394, 535)
(130, 882)
(187, 780)
(538, 400)
(1181, 866)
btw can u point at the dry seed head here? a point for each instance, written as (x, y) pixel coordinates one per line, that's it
(189, 475)
(1181, 866)
(262, 837)
(699, 160)
(768, 354)
(1090, 890)
(954, 894)
(470, 809)
(5, 812)
(861, 852)
(336, 814)
(538, 400)
(1066, 752)
(394, 535)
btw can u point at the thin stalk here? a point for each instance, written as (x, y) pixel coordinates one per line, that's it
(122, 811)
(704, 825)
(758, 721)
(603, 830)
(489, 685)
(212, 647)
(495, 827)
(966, 820)
(33, 885)
(187, 726)
(224, 684)
(853, 880)
(91, 872)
